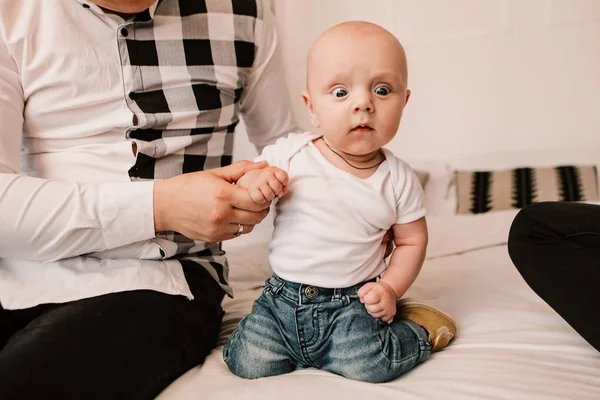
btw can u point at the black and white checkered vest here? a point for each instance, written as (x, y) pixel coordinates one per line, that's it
(187, 67)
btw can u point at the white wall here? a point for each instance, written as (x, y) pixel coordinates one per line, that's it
(485, 75)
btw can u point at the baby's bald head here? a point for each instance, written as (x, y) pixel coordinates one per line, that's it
(356, 87)
(356, 36)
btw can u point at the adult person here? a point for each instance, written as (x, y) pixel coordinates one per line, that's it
(117, 121)
(556, 248)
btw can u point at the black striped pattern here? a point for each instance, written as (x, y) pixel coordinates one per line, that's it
(197, 99)
(570, 185)
(483, 191)
(480, 192)
(524, 187)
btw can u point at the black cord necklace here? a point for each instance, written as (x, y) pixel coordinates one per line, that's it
(348, 162)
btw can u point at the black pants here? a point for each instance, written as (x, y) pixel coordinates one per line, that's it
(556, 248)
(127, 345)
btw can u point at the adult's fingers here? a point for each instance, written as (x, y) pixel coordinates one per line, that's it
(389, 247)
(235, 171)
(241, 200)
(248, 218)
(389, 235)
(257, 195)
(230, 231)
(240, 229)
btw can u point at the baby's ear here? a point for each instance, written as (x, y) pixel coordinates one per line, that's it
(309, 106)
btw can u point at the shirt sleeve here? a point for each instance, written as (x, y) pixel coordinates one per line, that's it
(265, 104)
(43, 220)
(411, 199)
(274, 154)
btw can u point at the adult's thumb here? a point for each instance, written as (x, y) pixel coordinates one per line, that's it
(235, 171)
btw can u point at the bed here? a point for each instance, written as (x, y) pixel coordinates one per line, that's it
(510, 345)
(479, 77)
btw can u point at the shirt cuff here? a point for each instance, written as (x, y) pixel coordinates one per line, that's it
(126, 212)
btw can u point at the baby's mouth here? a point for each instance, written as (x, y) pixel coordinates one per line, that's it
(362, 128)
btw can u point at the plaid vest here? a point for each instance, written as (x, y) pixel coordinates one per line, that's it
(186, 68)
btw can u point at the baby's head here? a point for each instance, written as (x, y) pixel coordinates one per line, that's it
(356, 86)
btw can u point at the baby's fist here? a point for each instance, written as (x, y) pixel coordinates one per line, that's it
(379, 299)
(271, 182)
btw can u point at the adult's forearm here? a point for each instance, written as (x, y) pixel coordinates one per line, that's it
(45, 220)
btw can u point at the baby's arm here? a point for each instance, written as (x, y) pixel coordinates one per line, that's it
(404, 266)
(264, 184)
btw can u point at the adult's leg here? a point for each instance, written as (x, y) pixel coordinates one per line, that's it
(556, 248)
(127, 345)
(11, 321)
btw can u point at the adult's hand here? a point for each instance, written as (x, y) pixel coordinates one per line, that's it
(206, 205)
(388, 240)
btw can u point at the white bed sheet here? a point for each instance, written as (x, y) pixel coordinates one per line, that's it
(510, 344)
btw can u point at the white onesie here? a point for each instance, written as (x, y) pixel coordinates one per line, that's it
(330, 224)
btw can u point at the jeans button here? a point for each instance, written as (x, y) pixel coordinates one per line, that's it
(311, 292)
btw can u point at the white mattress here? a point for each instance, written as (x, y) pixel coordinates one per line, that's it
(510, 344)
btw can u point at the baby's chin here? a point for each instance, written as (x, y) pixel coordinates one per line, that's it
(362, 151)
(364, 144)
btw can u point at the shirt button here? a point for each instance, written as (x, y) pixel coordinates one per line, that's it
(124, 32)
(85, 5)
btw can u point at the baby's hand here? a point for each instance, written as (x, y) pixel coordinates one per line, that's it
(379, 300)
(266, 184)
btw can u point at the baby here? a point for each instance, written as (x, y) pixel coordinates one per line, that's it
(332, 302)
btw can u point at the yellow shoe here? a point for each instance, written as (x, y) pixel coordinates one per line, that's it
(441, 328)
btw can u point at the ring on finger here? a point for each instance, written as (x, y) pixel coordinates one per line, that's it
(240, 230)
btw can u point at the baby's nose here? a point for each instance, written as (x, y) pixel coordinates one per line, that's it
(363, 102)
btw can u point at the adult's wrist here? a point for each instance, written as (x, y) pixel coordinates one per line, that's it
(160, 197)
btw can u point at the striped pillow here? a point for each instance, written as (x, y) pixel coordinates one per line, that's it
(484, 191)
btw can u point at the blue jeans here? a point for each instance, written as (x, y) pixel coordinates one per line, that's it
(301, 326)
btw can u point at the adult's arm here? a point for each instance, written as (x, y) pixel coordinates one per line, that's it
(48, 220)
(267, 115)
(265, 103)
(45, 220)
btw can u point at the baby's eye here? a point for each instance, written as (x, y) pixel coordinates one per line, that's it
(382, 91)
(339, 92)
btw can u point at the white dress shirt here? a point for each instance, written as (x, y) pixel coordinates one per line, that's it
(72, 222)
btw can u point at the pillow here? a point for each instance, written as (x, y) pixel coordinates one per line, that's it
(483, 191)
(492, 161)
(434, 177)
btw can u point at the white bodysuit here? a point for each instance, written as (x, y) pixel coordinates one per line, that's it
(330, 224)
